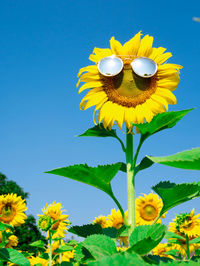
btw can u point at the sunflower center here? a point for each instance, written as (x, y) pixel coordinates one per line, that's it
(149, 212)
(7, 212)
(128, 89)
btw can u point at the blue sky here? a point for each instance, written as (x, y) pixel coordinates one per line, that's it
(43, 45)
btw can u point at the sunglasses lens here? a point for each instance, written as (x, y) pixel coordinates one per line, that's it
(144, 67)
(110, 66)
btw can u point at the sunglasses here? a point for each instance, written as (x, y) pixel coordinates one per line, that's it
(142, 66)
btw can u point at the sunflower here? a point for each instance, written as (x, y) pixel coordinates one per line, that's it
(116, 218)
(160, 250)
(54, 211)
(37, 261)
(186, 224)
(102, 220)
(12, 240)
(128, 97)
(12, 208)
(148, 209)
(182, 247)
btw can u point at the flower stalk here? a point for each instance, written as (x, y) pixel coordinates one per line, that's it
(130, 182)
(50, 248)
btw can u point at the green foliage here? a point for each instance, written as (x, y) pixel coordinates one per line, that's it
(174, 194)
(189, 159)
(92, 229)
(99, 177)
(100, 131)
(9, 186)
(99, 246)
(39, 244)
(161, 122)
(145, 237)
(169, 235)
(64, 248)
(119, 259)
(85, 230)
(145, 163)
(28, 233)
(12, 255)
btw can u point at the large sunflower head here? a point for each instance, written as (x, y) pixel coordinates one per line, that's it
(126, 92)
(60, 222)
(186, 224)
(148, 209)
(12, 208)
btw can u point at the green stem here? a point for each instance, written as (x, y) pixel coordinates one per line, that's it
(188, 249)
(50, 249)
(130, 182)
(60, 255)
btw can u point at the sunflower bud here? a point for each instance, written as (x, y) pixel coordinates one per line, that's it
(45, 223)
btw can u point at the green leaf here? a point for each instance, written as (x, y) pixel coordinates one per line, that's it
(100, 131)
(145, 163)
(39, 244)
(99, 246)
(63, 249)
(119, 260)
(99, 177)
(174, 194)
(172, 252)
(161, 122)
(12, 255)
(5, 226)
(189, 159)
(110, 231)
(72, 242)
(154, 259)
(169, 235)
(145, 237)
(195, 240)
(86, 230)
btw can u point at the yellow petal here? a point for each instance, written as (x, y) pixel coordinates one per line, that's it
(156, 52)
(131, 47)
(160, 59)
(168, 95)
(99, 53)
(91, 69)
(90, 85)
(145, 46)
(116, 46)
(130, 117)
(98, 98)
(160, 99)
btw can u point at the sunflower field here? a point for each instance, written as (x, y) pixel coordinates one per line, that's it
(130, 87)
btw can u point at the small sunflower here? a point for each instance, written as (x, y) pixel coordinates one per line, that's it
(54, 211)
(186, 224)
(160, 250)
(116, 218)
(12, 208)
(38, 261)
(12, 240)
(102, 220)
(127, 97)
(148, 209)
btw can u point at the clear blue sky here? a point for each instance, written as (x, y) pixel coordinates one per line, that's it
(42, 46)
